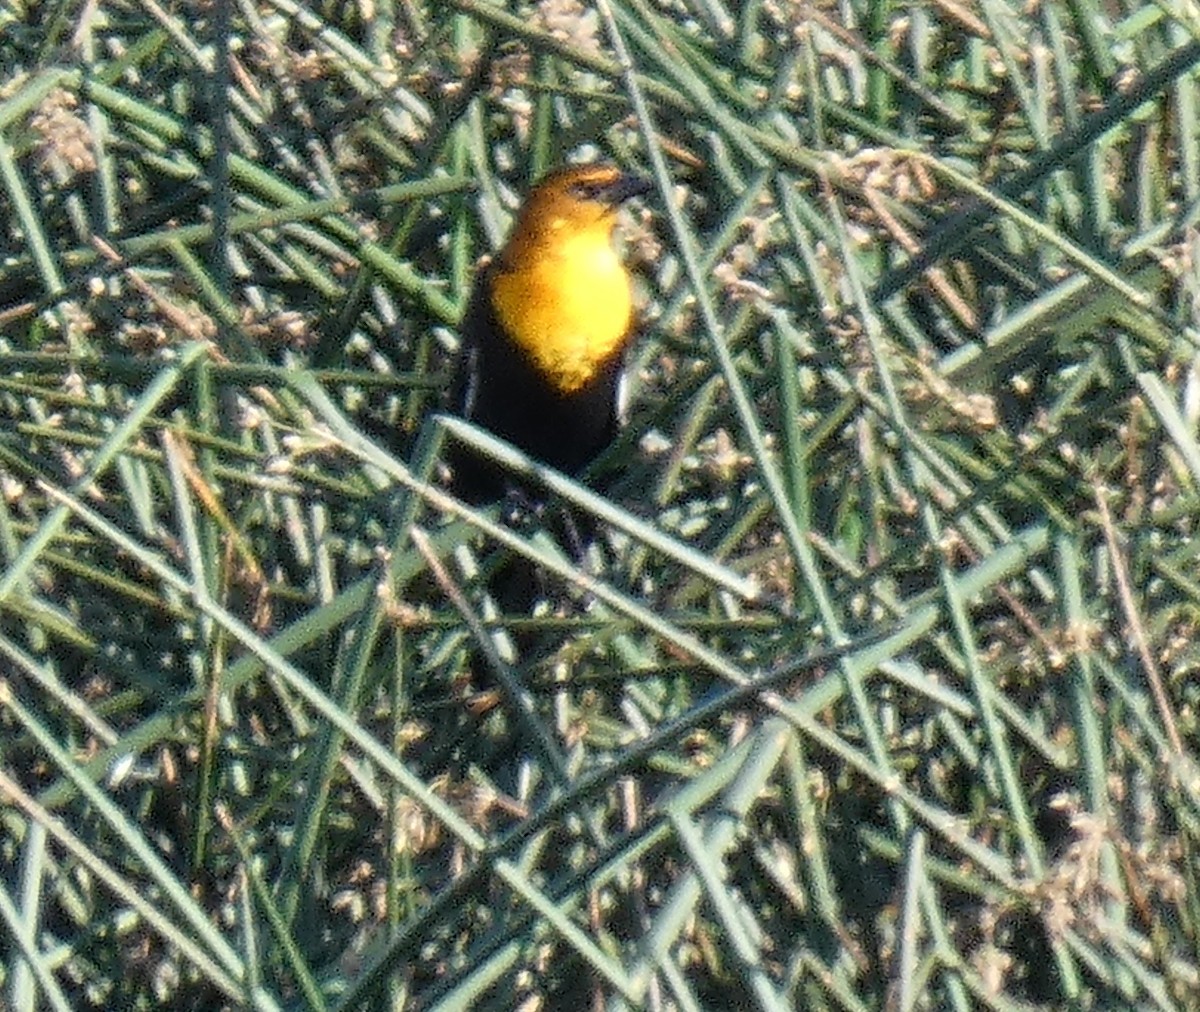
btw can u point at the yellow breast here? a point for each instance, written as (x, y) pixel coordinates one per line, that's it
(569, 307)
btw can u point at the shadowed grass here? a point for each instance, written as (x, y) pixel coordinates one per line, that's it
(876, 687)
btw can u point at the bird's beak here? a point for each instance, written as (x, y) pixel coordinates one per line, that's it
(626, 186)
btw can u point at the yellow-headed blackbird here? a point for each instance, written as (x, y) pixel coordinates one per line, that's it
(544, 333)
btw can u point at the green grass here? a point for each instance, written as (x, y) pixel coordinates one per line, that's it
(878, 689)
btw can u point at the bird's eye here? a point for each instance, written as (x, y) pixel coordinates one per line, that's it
(588, 190)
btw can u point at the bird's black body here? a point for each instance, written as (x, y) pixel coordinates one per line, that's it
(498, 388)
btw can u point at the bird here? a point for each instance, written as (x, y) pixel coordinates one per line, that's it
(545, 330)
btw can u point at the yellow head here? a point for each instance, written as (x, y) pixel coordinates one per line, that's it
(559, 289)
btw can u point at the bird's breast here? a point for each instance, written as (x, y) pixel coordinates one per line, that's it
(569, 311)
